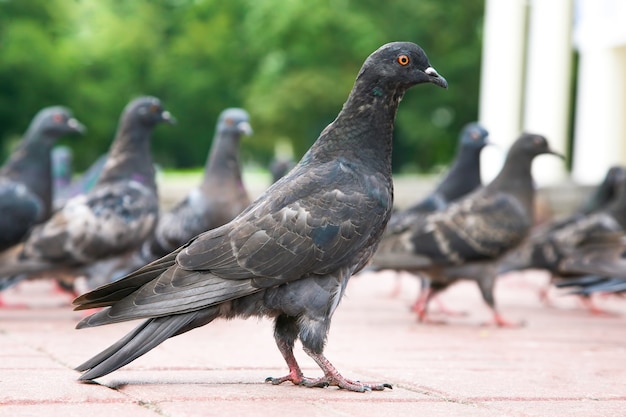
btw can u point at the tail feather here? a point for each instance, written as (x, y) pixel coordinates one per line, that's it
(141, 340)
(111, 293)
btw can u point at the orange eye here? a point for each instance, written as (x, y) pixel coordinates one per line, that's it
(154, 108)
(403, 60)
(58, 118)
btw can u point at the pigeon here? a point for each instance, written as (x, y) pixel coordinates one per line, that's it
(116, 216)
(219, 198)
(26, 177)
(604, 214)
(598, 266)
(466, 239)
(462, 178)
(288, 255)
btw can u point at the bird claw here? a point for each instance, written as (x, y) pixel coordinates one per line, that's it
(299, 380)
(355, 386)
(324, 382)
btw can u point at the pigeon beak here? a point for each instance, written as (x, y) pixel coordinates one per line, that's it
(76, 126)
(555, 153)
(245, 128)
(435, 78)
(168, 118)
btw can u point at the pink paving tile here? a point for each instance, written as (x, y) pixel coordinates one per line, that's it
(76, 410)
(240, 408)
(426, 408)
(32, 387)
(562, 358)
(231, 384)
(578, 408)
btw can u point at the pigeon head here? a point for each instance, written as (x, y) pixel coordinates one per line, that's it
(474, 135)
(234, 120)
(404, 64)
(533, 145)
(147, 111)
(54, 122)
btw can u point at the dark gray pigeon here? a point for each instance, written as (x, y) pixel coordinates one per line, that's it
(116, 216)
(220, 197)
(26, 177)
(466, 239)
(462, 177)
(290, 254)
(599, 267)
(603, 215)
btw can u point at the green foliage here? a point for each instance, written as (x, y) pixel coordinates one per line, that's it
(290, 63)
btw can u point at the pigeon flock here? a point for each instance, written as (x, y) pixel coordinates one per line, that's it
(289, 254)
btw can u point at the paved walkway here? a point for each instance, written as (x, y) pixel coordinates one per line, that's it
(564, 362)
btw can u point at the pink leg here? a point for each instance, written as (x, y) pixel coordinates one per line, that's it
(334, 378)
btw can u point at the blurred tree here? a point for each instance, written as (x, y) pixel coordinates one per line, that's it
(289, 63)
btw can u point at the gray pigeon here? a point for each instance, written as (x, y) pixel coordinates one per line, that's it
(462, 177)
(466, 239)
(26, 177)
(604, 211)
(599, 265)
(116, 216)
(290, 254)
(220, 197)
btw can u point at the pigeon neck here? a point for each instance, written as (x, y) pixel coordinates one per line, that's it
(129, 157)
(31, 164)
(222, 164)
(363, 129)
(516, 178)
(463, 176)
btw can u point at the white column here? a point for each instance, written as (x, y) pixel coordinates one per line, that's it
(600, 112)
(547, 89)
(501, 80)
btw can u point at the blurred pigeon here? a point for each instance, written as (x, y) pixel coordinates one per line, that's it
(290, 254)
(220, 197)
(599, 266)
(466, 239)
(462, 178)
(603, 214)
(116, 216)
(26, 177)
